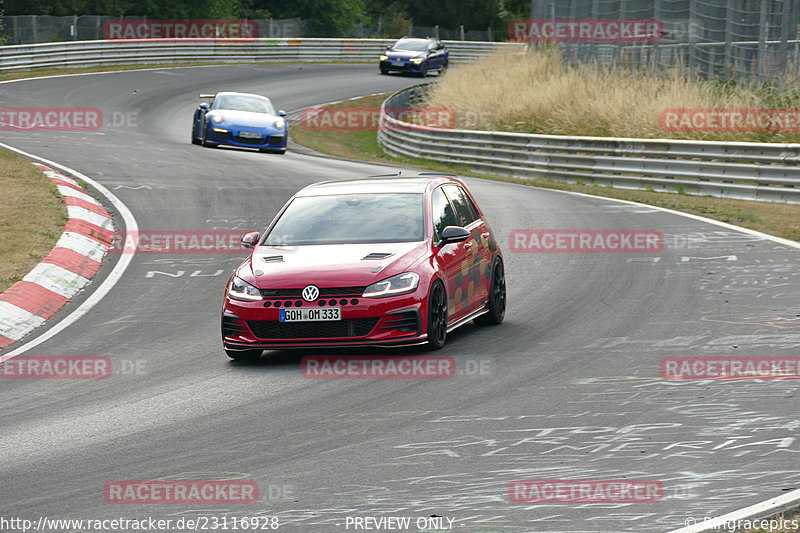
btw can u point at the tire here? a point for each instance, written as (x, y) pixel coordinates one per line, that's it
(443, 68)
(384, 71)
(437, 316)
(497, 296)
(424, 71)
(207, 144)
(244, 355)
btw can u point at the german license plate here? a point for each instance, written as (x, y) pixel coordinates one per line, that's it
(311, 314)
(397, 63)
(250, 134)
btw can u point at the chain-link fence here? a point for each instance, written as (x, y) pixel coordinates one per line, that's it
(27, 29)
(710, 37)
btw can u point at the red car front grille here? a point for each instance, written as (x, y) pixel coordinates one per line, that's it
(351, 327)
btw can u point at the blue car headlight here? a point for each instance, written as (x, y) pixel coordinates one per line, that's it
(399, 284)
(279, 123)
(384, 57)
(217, 117)
(416, 60)
(238, 289)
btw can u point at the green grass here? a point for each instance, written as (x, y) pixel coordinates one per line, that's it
(32, 217)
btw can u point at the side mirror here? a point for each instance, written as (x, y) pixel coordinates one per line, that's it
(249, 240)
(204, 106)
(281, 113)
(452, 234)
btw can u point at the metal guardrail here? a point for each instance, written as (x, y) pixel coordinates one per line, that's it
(741, 170)
(118, 52)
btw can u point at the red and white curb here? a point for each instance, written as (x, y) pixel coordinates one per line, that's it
(68, 267)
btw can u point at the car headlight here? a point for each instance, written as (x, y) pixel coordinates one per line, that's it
(217, 118)
(399, 284)
(279, 123)
(238, 289)
(384, 57)
(416, 60)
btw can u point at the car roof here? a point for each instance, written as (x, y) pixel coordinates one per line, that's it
(234, 93)
(417, 184)
(426, 39)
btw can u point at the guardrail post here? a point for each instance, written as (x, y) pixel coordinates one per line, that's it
(762, 41)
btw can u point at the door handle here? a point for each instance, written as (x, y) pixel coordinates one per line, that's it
(486, 235)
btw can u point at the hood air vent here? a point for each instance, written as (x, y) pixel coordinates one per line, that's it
(376, 256)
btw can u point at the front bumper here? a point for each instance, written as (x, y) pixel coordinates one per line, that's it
(222, 134)
(392, 321)
(401, 65)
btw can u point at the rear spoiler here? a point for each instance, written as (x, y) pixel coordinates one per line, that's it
(207, 96)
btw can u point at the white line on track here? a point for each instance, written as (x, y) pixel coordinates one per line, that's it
(108, 283)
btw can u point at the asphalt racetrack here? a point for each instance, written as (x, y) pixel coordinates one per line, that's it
(568, 387)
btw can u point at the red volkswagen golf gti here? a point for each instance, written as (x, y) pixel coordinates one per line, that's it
(375, 261)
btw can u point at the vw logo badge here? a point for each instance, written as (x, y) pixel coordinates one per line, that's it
(310, 293)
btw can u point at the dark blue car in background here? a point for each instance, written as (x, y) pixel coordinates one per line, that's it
(417, 56)
(240, 119)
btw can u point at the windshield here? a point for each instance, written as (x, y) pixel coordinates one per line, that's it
(350, 219)
(237, 102)
(411, 45)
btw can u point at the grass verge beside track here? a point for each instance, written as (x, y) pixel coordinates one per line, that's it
(32, 217)
(781, 220)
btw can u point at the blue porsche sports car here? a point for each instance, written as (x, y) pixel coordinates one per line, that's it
(240, 119)
(416, 56)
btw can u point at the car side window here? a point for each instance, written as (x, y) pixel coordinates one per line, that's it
(443, 214)
(466, 213)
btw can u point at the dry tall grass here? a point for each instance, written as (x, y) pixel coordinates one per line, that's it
(537, 93)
